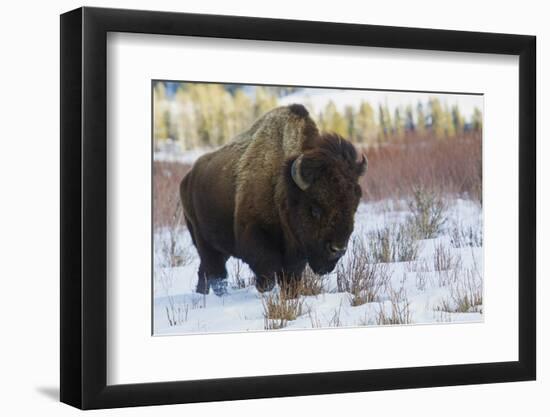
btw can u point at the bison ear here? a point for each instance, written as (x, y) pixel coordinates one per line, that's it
(362, 166)
(296, 172)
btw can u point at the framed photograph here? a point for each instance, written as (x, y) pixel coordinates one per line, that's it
(256, 208)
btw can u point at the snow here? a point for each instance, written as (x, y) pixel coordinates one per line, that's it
(418, 285)
(172, 152)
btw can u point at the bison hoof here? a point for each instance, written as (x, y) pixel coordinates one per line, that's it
(218, 285)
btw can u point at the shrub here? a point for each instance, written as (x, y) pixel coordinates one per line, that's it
(452, 166)
(466, 294)
(172, 252)
(421, 271)
(446, 265)
(333, 321)
(166, 197)
(380, 244)
(400, 309)
(176, 313)
(280, 308)
(406, 244)
(361, 279)
(421, 279)
(443, 260)
(390, 244)
(427, 213)
(466, 236)
(311, 283)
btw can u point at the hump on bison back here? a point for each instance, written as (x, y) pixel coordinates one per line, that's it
(298, 110)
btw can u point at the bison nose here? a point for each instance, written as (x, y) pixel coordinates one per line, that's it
(336, 251)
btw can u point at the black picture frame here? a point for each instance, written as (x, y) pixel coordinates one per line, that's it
(84, 207)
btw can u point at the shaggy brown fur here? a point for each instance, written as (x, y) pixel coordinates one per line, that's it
(242, 200)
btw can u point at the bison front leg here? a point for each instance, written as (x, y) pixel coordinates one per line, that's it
(289, 278)
(258, 250)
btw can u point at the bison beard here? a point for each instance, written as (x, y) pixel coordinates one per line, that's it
(279, 196)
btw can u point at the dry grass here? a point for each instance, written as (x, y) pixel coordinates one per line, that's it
(361, 279)
(443, 259)
(466, 291)
(466, 294)
(422, 273)
(316, 323)
(308, 284)
(172, 252)
(466, 236)
(176, 313)
(442, 316)
(400, 309)
(334, 320)
(381, 245)
(393, 244)
(311, 283)
(446, 265)
(280, 307)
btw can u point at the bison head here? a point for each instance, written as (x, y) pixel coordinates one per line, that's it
(323, 196)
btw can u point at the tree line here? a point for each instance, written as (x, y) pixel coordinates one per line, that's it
(209, 115)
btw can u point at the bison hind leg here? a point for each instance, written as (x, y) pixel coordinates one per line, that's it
(218, 285)
(215, 279)
(212, 272)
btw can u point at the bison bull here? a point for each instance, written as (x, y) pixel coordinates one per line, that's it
(279, 196)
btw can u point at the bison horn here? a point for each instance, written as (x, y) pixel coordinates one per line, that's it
(296, 173)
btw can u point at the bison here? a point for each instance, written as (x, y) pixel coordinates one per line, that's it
(279, 196)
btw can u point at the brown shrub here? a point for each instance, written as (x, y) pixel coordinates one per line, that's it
(166, 196)
(311, 283)
(400, 309)
(466, 294)
(392, 244)
(280, 308)
(362, 280)
(451, 166)
(396, 169)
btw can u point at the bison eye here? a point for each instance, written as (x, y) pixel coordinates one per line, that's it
(316, 212)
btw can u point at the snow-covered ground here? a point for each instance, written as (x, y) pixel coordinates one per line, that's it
(442, 284)
(171, 151)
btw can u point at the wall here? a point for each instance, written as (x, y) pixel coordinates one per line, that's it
(30, 205)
